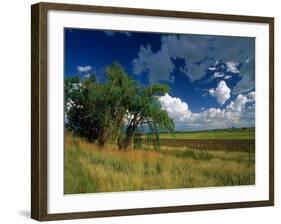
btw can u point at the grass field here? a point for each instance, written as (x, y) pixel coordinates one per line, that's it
(196, 159)
(237, 133)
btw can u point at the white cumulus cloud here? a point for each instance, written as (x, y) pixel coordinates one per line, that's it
(84, 69)
(252, 96)
(176, 108)
(232, 67)
(238, 113)
(221, 93)
(227, 77)
(219, 74)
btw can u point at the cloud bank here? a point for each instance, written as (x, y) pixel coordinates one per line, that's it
(238, 113)
(159, 64)
(222, 57)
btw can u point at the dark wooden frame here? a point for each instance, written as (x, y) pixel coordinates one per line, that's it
(39, 110)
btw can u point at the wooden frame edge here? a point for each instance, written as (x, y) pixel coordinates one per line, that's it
(154, 12)
(39, 110)
(35, 192)
(155, 210)
(271, 111)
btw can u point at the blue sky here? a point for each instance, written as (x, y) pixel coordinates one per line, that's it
(211, 78)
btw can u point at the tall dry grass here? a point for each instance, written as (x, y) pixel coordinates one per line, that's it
(90, 169)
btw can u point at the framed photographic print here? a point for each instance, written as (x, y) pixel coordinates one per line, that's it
(138, 111)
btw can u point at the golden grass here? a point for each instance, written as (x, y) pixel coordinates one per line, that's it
(91, 169)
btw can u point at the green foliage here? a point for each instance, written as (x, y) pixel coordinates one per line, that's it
(118, 109)
(83, 100)
(145, 112)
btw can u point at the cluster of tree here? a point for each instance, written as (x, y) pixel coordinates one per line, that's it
(117, 109)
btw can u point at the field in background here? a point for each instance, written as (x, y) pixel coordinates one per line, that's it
(194, 159)
(231, 133)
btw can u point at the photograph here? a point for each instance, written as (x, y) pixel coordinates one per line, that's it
(152, 111)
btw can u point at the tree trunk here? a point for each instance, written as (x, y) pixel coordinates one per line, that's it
(102, 138)
(125, 142)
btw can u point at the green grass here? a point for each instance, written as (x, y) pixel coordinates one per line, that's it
(238, 133)
(91, 169)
